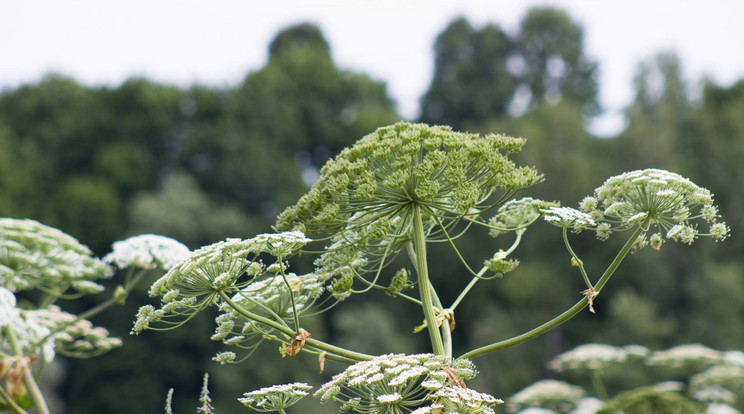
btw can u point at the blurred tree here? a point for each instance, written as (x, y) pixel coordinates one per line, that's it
(658, 114)
(181, 210)
(552, 64)
(712, 147)
(471, 80)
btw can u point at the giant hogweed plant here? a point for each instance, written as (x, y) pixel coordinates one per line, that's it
(392, 193)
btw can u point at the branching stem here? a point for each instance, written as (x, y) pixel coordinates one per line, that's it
(568, 314)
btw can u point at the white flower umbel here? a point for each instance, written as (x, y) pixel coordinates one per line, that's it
(281, 244)
(74, 337)
(663, 200)
(276, 397)
(551, 394)
(224, 267)
(33, 255)
(463, 400)
(412, 377)
(688, 357)
(590, 357)
(568, 217)
(147, 251)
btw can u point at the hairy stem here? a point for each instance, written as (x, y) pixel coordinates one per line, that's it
(568, 314)
(419, 240)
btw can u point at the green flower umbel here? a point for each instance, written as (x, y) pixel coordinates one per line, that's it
(447, 174)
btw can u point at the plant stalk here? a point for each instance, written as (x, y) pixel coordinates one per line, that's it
(419, 240)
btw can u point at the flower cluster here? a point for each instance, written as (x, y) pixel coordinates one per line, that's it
(556, 395)
(658, 198)
(72, 336)
(688, 357)
(388, 172)
(276, 397)
(719, 384)
(595, 357)
(147, 251)
(33, 255)
(517, 214)
(459, 400)
(395, 382)
(224, 267)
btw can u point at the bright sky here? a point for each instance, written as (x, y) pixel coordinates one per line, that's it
(217, 42)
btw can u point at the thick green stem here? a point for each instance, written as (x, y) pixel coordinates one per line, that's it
(419, 240)
(28, 378)
(348, 356)
(563, 317)
(445, 327)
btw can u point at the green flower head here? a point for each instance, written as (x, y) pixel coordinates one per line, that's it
(385, 174)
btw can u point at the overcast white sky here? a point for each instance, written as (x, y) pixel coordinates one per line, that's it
(217, 42)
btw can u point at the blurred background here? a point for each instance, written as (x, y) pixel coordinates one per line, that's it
(202, 122)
